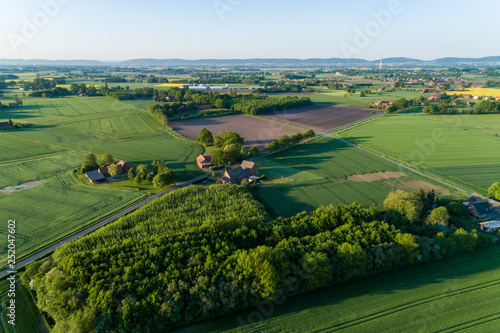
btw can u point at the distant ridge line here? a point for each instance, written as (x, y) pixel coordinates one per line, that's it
(330, 62)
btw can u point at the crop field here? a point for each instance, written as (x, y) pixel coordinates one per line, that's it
(317, 174)
(35, 186)
(339, 97)
(14, 149)
(28, 318)
(36, 169)
(430, 297)
(56, 208)
(257, 132)
(477, 91)
(322, 117)
(460, 149)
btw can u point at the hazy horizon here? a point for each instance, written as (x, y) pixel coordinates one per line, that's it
(240, 29)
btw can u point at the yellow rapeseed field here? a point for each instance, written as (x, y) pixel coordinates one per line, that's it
(171, 85)
(477, 91)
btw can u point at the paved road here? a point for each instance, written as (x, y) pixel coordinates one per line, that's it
(93, 227)
(404, 166)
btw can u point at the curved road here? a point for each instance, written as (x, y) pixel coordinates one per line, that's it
(93, 227)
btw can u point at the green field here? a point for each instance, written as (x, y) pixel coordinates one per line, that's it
(460, 293)
(462, 149)
(28, 318)
(338, 97)
(56, 208)
(314, 174)
(65, 129)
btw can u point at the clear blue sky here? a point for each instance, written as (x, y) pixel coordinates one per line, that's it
(197, 29)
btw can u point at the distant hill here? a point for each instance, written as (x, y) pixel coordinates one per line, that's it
(268, 62)
(29, 62)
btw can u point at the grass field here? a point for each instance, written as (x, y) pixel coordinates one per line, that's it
(56, 208)
(28, 318)
(65, 129)
(456, 294)
(460, 148)
(315, 174)
(337, 97)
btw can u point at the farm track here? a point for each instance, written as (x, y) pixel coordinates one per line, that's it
(410, 305)
(323, 185)
(475, 323)
(63, 182)
(307, 195)
(186, 159)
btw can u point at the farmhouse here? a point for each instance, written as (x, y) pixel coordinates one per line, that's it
(204, 161)
(432, 97)
(479, 209)
(94, 176)
(383, 104)
(204, 106)
(490, 226)
(4, 125)
(465, 95)
(476, 97)
(246, 169)
(497, 98)
(125, 167)
(103, 171)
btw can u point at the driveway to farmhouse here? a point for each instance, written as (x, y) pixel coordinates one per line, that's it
(93, 227)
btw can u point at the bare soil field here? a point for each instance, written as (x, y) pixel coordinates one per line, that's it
(418, 184)
(369, 177)
(255, 131)
(322, 117)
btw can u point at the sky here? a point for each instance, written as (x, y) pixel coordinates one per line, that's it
(114, 30)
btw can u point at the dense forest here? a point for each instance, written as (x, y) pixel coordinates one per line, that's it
(203, 251)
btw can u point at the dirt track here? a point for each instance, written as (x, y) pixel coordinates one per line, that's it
(256, 132)
(322, 117)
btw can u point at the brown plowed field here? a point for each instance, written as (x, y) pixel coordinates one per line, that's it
(255, 131)
(322, 117)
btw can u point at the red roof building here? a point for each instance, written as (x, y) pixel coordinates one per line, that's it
(204, 161)
(103, 171)
(204, 106)
(246, 169)
(125, 166)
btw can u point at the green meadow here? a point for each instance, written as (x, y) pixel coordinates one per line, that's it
(316, 174)
(53, 203)
(462, 149)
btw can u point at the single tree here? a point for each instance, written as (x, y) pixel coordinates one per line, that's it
(438, 215)
(89, 162)
(115, 170)
(132, 174)
(107, 159)
(205, 137)
(254, 151)
(142, 171)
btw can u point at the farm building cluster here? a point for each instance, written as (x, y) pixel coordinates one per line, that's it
(481, 209)
(100, 175)
(247, 169)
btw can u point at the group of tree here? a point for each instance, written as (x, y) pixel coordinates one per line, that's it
(203, 251)
(162, 175)
(271, 104)
(230, 148)
(494, 191)
(288, 140)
